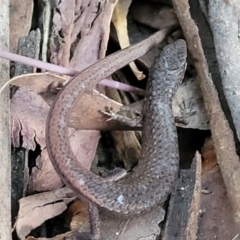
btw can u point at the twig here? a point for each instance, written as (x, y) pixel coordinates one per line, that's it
(62, 70)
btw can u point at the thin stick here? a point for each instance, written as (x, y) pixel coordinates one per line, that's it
(62, 70)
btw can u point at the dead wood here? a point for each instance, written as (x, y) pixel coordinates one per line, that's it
(222, 135)
(5, 145)
(184, 206)
(223, 20)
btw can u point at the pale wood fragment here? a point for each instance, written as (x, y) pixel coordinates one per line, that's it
(5, 147)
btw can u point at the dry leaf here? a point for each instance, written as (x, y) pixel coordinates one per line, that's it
(36, 209)
(87, 106)
(119, 21)
(216, 221)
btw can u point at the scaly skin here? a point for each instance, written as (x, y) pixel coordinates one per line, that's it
(153, 179)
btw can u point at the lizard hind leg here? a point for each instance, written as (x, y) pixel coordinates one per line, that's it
(123, 120)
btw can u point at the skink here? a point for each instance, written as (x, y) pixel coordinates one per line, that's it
(152, 180)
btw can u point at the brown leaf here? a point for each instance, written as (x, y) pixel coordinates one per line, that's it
(216, 221)
(88, 105)
(36, 209)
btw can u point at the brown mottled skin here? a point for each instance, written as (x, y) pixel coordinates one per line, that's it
(153, 179)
